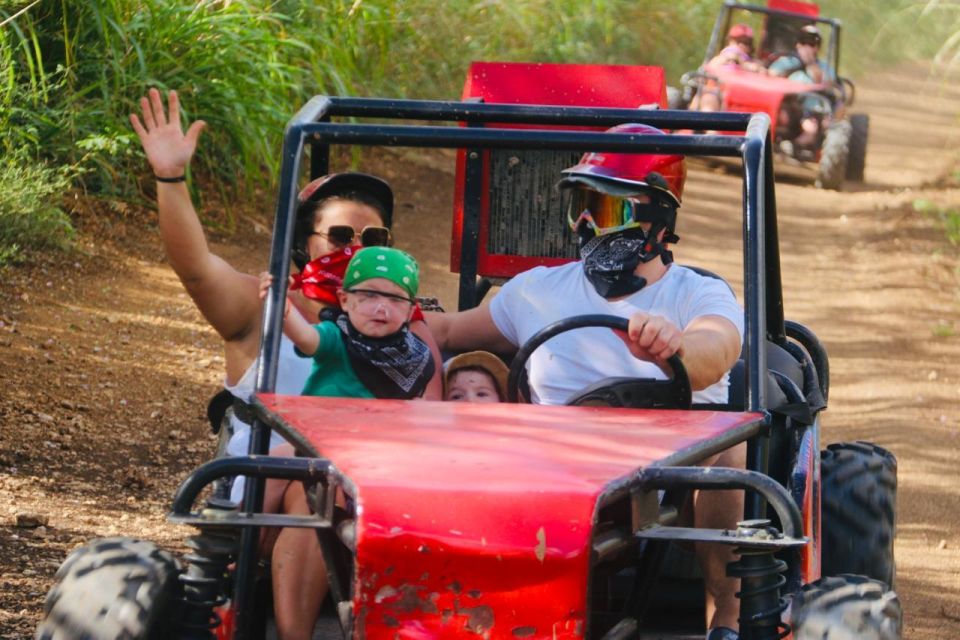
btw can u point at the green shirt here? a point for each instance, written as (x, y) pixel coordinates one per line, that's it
(332, 374)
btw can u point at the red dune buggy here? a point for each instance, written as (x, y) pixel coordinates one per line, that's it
(512, 520)
(839, 145)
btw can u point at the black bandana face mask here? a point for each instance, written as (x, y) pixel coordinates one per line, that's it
(610, 260)
(397, 366)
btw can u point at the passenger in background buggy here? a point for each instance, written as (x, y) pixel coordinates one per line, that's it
(737, 54)
(366, 350)
(804, 65)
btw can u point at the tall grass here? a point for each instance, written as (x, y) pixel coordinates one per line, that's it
(878, 32)
(70, 72)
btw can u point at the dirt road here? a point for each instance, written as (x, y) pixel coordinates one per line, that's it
(107, 366)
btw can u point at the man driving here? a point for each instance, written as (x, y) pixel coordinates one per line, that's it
(622, 209)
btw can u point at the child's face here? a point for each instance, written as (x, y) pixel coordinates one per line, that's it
(376, 307)
(470, 385)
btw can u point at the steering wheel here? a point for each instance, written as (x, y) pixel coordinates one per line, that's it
(634, 393)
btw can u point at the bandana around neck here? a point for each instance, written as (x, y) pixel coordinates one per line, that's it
(397, 366)
(322, 276)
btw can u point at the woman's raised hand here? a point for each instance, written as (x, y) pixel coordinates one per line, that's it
(168, 149)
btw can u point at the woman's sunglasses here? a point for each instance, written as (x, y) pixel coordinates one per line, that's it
(344, 235)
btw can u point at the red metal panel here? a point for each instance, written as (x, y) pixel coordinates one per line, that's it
(795, 6)
(475, 519)
(584, 85)
(575, 85)
(749, 92)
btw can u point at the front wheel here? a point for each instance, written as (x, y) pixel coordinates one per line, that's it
(846, 607)
(834, 156)
(113, 588)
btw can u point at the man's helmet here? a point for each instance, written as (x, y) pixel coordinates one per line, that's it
(661, 177)
(614, 192)
(740, 32)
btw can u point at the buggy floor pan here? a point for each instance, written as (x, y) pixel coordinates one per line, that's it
(477, 518)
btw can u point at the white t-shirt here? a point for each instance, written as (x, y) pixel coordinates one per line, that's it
(570, 362)
(292, 373)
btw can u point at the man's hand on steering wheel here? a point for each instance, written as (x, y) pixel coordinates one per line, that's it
(652, 338)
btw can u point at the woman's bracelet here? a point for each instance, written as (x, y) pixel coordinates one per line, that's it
(182, 178)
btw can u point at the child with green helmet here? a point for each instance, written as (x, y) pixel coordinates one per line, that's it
(367, 351)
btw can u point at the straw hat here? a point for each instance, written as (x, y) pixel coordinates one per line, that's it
(479, 360)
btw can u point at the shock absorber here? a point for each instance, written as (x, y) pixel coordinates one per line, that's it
(760, 581)
(212, 551)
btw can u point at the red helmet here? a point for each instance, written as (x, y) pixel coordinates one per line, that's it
(740, 31)
(625, 174)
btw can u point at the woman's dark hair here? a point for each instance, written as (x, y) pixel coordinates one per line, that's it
(353, 187)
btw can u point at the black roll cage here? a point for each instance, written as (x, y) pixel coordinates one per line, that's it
(312, 126)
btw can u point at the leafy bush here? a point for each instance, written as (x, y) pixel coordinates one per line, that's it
(71, 72)
(30, 217)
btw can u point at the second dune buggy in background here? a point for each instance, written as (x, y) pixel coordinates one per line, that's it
(840, 148)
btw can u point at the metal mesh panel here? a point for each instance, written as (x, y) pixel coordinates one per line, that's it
(526, 216)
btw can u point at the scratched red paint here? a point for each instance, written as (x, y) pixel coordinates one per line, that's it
(474, 520)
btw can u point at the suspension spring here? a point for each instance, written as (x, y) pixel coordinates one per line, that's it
(761, 606)
(204, 582)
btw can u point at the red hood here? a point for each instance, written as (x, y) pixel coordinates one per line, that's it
(749, 92)
(476, 518)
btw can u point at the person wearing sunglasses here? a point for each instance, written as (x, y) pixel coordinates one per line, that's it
(804, 66)
(336, 214)
(229, 299)
(622, 211)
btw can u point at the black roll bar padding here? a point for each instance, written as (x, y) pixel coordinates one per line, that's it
(815, 351)
(283, 468)
(492, 113)
(758, 193)
(726, 478)
(492, 138)
(272, 323)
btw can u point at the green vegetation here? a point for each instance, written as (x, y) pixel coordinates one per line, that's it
(29, 216)
(889, 31)
(71, 72)
(943, 329)
(947, 216)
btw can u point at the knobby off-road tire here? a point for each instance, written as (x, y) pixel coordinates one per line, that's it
(112, 589)
(857, 160)
(834, 156)
(859, 498)
(846, 607)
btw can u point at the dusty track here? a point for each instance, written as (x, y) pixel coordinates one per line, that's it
(107, 366)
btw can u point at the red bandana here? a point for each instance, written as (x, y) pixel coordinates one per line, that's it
(321, 278)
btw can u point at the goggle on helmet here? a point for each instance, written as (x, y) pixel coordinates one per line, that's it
(608, 192)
